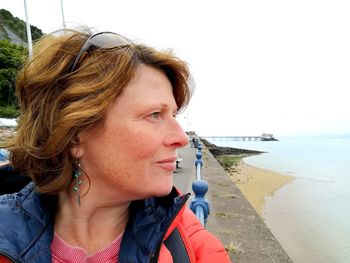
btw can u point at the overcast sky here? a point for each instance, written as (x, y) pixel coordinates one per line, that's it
(275, 66)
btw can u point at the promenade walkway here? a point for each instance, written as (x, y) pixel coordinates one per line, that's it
(232, 219)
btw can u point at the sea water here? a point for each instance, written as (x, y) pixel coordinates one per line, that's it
(310, 216)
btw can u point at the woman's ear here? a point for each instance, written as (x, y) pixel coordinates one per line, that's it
(77, 151)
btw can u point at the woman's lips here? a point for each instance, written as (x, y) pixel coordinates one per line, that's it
(168, 164)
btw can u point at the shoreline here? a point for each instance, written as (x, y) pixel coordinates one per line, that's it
(257, 184)
(232, 218)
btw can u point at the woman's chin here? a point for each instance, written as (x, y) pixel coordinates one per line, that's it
(163, 191)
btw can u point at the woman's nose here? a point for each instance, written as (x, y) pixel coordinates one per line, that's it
(176, 136)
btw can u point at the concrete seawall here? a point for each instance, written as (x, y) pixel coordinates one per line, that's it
(232, 219)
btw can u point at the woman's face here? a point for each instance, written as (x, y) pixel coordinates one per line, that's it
(134, 154)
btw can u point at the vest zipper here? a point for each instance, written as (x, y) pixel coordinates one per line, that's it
(154, 257)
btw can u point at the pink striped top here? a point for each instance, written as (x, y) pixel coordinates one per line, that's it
(65, 253)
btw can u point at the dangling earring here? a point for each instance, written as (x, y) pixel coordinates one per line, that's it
(78, 180)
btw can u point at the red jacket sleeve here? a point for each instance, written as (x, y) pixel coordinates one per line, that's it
(4, 259)
(206, 247)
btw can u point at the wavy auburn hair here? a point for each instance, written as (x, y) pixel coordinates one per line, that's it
(56, 105)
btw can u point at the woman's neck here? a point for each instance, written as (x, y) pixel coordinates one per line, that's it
(92, 225)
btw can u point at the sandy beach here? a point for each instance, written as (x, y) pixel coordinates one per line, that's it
(256, 184)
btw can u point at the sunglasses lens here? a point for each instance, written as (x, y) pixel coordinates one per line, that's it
(109, 40)
(103, 40)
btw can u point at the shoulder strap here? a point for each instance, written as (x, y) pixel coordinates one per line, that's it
(177, 247)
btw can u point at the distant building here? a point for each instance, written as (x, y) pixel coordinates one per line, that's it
(191, 133)
(267, 137)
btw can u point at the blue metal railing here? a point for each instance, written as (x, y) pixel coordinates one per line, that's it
(199, 204)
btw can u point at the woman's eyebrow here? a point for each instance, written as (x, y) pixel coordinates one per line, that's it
(159, 105)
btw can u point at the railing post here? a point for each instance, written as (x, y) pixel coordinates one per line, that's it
(199, 164)
(199, 204)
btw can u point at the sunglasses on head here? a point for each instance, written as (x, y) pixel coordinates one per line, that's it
(102, 40)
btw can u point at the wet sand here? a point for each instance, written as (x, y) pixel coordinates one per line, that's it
(256, 184)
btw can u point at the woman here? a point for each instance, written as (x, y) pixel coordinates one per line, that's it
(98, 137)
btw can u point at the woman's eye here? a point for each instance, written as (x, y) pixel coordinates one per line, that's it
(155, 115)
